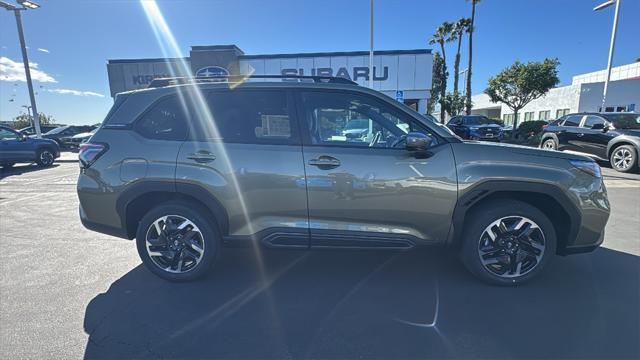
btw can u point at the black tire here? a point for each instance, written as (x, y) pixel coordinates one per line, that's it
(45, 157)
(210, 238)
(549, 144)
(475, 240)
(624, 158)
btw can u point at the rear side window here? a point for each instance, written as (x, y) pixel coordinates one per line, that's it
(165, 120)
(573, 120)
(250, 117)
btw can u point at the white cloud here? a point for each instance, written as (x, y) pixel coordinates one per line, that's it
(14, 71)
(43, 50)
(75, 92)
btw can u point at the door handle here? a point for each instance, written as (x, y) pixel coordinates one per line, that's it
(202, 156)
(325, 162)
(580, 135)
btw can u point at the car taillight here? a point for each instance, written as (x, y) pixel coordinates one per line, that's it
(545, 126)
(89, 153)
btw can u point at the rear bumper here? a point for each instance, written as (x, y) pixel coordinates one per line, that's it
(101, 228)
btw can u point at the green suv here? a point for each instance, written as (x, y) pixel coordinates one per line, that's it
(190, 165)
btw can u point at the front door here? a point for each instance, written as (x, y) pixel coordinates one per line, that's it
(369, 191)
(13, 148)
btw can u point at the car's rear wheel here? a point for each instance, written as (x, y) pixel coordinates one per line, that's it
(45, 157)
(624, 158)
(507, 242)
(177, 242)
(549, 144)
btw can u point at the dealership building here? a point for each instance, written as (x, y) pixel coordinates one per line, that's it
(404, 75)
(583, 95)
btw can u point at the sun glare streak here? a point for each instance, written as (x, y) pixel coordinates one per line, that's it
(192, 98)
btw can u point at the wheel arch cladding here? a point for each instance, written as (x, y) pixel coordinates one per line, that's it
(548, 198)
(134, 203)
(617, 142)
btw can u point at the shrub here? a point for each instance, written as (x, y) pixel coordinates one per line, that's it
(530, 128)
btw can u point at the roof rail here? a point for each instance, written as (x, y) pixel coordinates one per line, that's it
(161, 82)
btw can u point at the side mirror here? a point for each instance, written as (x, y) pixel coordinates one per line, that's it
(417, 141)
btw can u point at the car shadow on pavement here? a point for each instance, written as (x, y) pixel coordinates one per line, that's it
(23, 169)
(370, 304)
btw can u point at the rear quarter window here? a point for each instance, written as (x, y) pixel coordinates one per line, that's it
(165, 120)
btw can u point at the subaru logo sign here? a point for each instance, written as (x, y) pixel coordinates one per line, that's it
(212, 71)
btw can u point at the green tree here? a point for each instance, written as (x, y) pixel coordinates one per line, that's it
(439, 78)
(441, 37)
(519, 84)
(459, 28)
(25, 120)
(454, 103)
(471, 30)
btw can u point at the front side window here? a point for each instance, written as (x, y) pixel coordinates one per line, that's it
(573, 120)
(593, 120)
(250, 116)
(341, 119)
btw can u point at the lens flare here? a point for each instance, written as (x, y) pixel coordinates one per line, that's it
(194, 102)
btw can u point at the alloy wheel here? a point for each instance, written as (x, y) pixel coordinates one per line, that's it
(622, 158)
(511, 246)
(46, 158)
(174, 244)
(549, 145)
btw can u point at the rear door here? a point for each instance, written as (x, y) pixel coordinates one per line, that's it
(594, 141)
(371, 191)
(567, 133)
(244, 150)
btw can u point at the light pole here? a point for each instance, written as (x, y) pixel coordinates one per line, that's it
(611, 45)
(26, 4)
(29, 113)
(371, 44)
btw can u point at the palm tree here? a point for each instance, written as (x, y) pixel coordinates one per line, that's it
(459, 28)
(440, 37)
(471, 29)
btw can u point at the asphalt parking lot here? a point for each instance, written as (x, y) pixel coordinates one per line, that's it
(66, 292)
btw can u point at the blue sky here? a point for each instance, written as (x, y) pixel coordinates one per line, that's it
(71, 40)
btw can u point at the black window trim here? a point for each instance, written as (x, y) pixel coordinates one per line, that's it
(305, 131)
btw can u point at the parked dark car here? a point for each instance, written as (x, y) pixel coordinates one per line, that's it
(475, 127)
(191, 166)
(59, 133)
(73, 142)
(31, 130)
(18, 148)
(613, 137)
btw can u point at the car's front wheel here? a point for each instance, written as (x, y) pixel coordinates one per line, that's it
(45, 157)
(624, 158)
(507, 242)
(177, 242)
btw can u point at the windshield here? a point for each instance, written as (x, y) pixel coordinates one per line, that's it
(357, 124)
(477, 120)
(625, 121)
(57, 130)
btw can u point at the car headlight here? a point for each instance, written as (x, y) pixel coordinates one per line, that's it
(590, 167)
